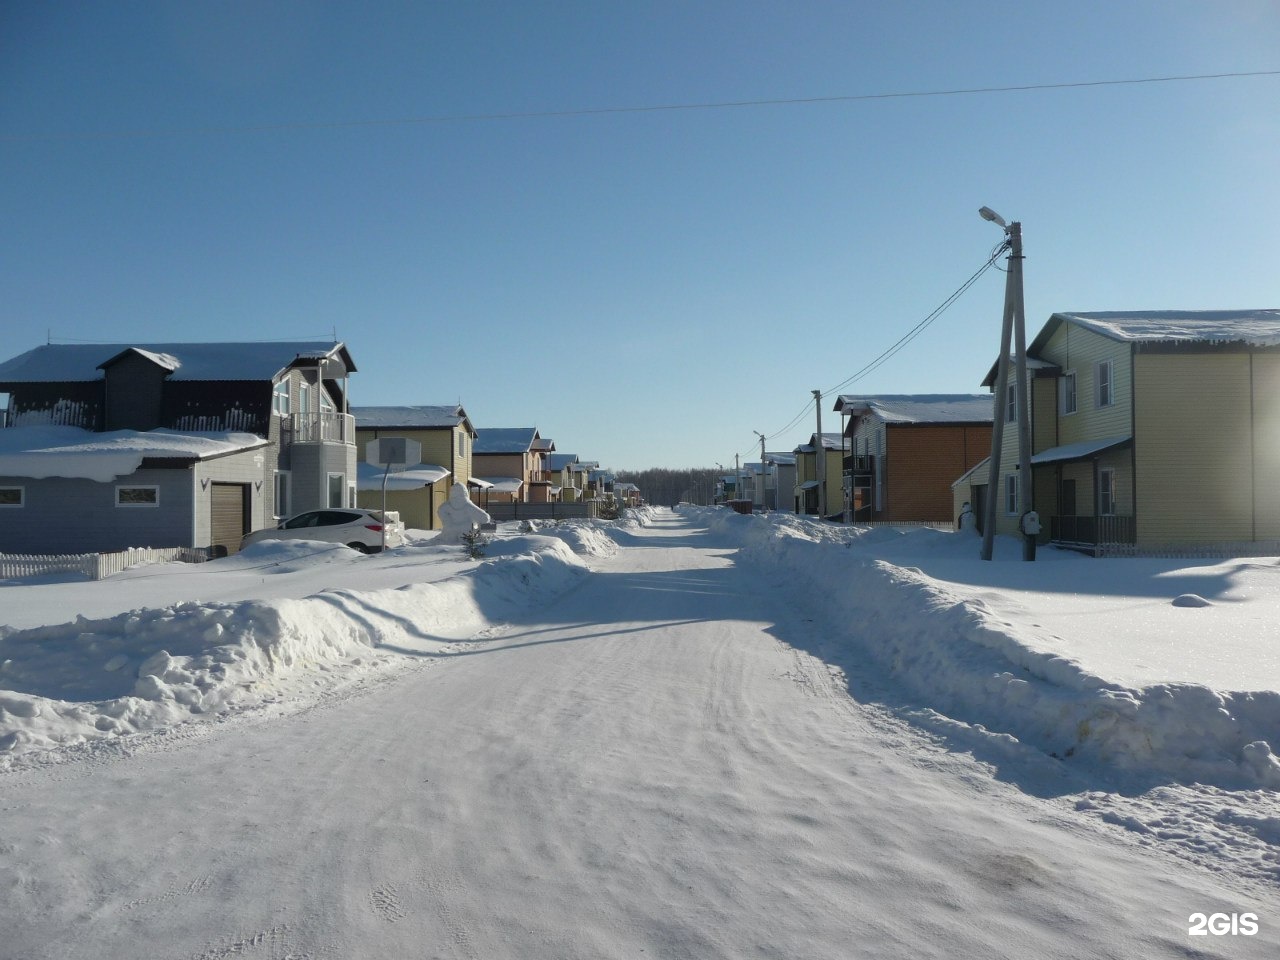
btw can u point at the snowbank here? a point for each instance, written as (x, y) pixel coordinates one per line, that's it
(959, 657)
(87, 680)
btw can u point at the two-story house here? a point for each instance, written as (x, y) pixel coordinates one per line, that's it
(447, 439)
(1147, 428)
(564, 479)
(906, 449)
(510, 461)
(109, 446)
(819, 472)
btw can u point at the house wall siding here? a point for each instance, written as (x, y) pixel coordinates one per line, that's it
(244, 467)
(64, 515)
(1266, 444)
(1074, 348)
(1193, 457)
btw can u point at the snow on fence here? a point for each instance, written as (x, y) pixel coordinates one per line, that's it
(95, 566)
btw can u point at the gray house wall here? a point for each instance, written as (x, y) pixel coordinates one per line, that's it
(307, 462)
(63, 515)
(247, 467)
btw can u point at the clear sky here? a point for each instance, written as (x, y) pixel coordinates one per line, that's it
(647, 287)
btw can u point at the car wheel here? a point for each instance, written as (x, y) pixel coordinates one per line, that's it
(358, 547)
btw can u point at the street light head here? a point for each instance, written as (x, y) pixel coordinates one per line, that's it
(988, 214)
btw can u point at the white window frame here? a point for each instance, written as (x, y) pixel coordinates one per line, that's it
(1064, 408)
(328, 493)
(1110, 398)
(351, 495)
(22, 497)
(1011, 402)
(282, 479)
(138, 506)
(1011, 494)
(461, 444)
(281, 400)
(1107, 492)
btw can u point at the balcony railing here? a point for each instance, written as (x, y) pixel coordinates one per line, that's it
(859, 463)
(321, 428)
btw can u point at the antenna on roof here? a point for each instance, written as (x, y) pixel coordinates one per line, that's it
(335, 333)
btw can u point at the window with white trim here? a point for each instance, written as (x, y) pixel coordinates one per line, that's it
(351, 495)
(462, 449)
(1067, 393)
(337, 490)
(283, 487)
(138, 496)
(1011, 494)
(1106, 383)
(1011, 402)
(1107, 492)
(13, 497)
(280, 400)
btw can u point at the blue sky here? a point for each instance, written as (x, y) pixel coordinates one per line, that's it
(647, 287)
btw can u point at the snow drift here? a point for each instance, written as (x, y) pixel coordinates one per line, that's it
(957, 657)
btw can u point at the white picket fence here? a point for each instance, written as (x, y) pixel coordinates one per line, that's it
(95, 566)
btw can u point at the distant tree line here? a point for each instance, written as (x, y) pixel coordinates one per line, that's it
(663, 486)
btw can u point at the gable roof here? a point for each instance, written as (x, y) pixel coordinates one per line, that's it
(411, 418)
(1255, 327)
(81, 362)
(505, 439)
(920, 407)
(558, 461)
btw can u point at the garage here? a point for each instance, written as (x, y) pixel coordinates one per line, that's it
(229, 517)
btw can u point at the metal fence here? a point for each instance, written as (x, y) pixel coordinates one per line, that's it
(542, 511)
(96, 566)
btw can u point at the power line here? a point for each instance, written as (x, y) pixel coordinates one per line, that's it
(605, 111)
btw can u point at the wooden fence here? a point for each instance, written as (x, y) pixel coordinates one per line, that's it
(542, 511)
(96, 566)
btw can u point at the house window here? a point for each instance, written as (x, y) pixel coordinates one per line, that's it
(1011, 494)
(137, 496)
(283, 485)
(1067, 393)
(1106, 385)
(13, 497)
(280, 399)
(337, 490)
(462, 449)
(1011, 402)
(1107, 492)
(304, 397)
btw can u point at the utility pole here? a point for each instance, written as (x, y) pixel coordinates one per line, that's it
(763, 486)
(820, 459)
(1012, 328)
(737, 477)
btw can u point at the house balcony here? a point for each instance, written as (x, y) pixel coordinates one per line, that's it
(859, 465)
(320, 428)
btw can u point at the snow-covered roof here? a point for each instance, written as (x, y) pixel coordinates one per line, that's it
(830, 441)
(163, 360)
(78, 362)
(409, 418)
(780, 458)
(71, 452)
(920, 408)
(503, 484)
(504, 439)
(1255, 327)
(369, 476)
(558, 461)
(1077, 451)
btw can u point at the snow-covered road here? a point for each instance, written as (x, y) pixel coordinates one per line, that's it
(639, 769)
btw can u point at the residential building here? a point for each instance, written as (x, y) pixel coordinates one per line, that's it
(780, 476)
(109, 446)
(510, 460)
(446, 438)
(906, 449)
(819, 472)
(1147, 428)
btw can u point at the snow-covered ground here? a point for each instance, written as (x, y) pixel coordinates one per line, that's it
(699, 735)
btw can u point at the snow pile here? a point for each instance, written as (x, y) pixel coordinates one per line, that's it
(68, 683)
(59, 451)
(961, 658)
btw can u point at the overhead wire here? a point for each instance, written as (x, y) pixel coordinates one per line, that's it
(137, 134)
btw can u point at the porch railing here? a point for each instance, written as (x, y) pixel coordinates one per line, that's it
(1092, 530)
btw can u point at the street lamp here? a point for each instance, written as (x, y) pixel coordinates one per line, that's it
(763, 485)
(1014, 324)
